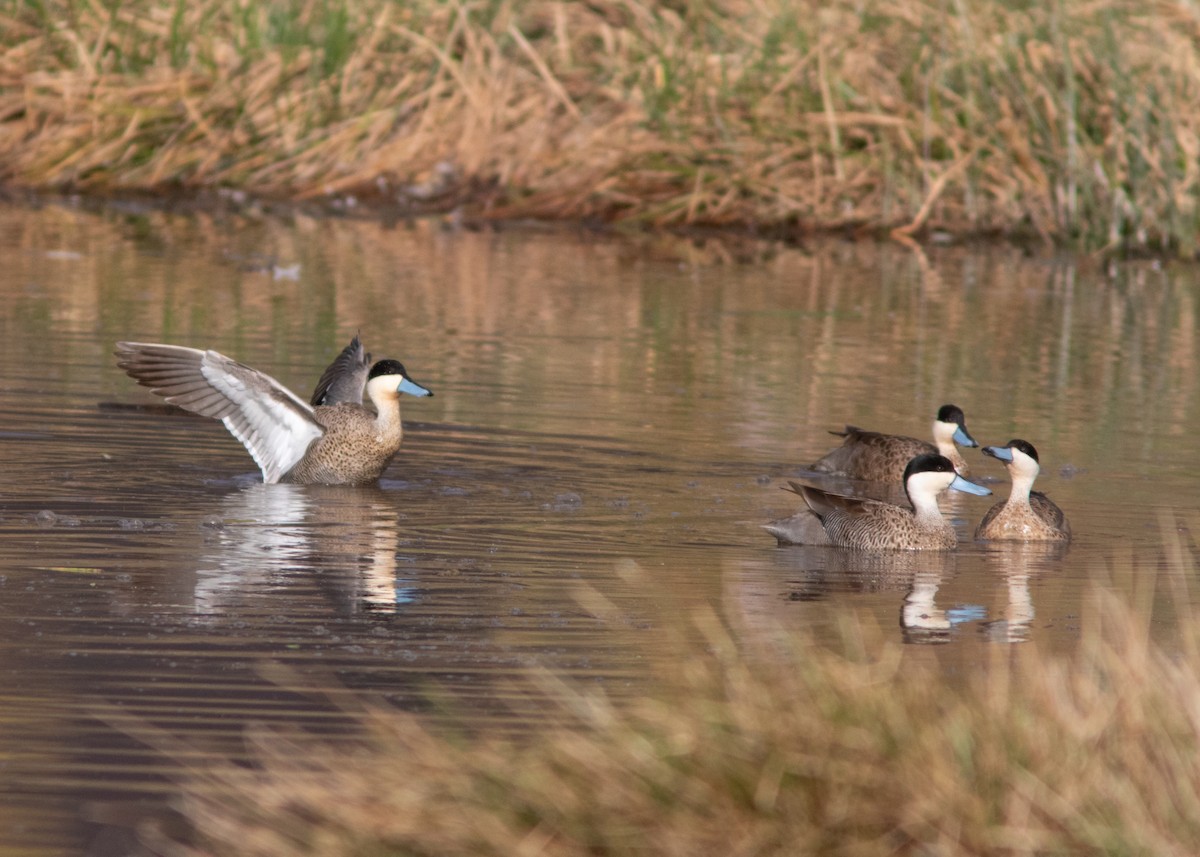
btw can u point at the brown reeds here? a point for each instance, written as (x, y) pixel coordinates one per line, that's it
(1069, 120)
(866, 748)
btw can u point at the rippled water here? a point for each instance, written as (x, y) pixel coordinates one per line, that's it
(612, 422)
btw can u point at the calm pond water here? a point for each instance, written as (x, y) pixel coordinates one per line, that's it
(612, 423)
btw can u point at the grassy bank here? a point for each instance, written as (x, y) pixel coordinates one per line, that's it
(863, 748)
(1074, 121)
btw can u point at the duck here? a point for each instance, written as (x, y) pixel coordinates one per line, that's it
(874, 525)
(878, 457)
(332, 439)
(1027, 515)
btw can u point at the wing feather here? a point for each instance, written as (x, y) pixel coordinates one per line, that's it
(823, 503)
(345, 378)
(273, 424)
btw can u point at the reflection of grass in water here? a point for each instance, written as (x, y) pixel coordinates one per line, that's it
(1064, 119)
(864, 750)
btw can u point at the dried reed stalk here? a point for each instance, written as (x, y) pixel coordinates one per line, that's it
(1072, 120)
(784, 748)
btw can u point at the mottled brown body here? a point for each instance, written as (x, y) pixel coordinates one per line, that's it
(1037, 519)
(877, 457)
(880, 457)
(355, 450)
(877, 526)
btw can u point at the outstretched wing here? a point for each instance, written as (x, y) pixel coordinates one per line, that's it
(346, 377)
(275, 427)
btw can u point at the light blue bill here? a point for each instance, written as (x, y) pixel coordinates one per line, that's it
(963, 438)
(413, 388)
(960, 484)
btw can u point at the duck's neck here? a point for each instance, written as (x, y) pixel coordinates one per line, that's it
(387, 409)
(1022, 484)
(925, 508)
(947, 447)
(388, 415)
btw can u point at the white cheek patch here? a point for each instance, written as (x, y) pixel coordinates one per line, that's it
(923, 488)
(383, 386)
(1024, 465)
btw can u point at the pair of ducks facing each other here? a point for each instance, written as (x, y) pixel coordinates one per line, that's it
(863, 524)
(330, 440)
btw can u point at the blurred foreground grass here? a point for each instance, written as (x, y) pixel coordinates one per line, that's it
(1073, 120)
(781, 748)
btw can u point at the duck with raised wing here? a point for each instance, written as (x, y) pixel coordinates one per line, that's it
(1027, 515)
(881, 457)
(333, 441)
(873, 525)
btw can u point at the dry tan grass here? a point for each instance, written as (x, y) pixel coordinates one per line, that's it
(1069, 120)
(864, 748)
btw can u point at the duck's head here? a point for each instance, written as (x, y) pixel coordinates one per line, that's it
(950, 426)
(929, 474)
(390, 378)
(1019, 456)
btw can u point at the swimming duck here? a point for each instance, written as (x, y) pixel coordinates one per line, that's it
(883, 457)
(333, 441)
(873, 525)
(1027, 515)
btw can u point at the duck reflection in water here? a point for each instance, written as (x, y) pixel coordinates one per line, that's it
(1018, 563)
(763, 613)
(874, 525)
(775, 596)
(302, 547)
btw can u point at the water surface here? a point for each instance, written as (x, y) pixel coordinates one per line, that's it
(613, 420)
